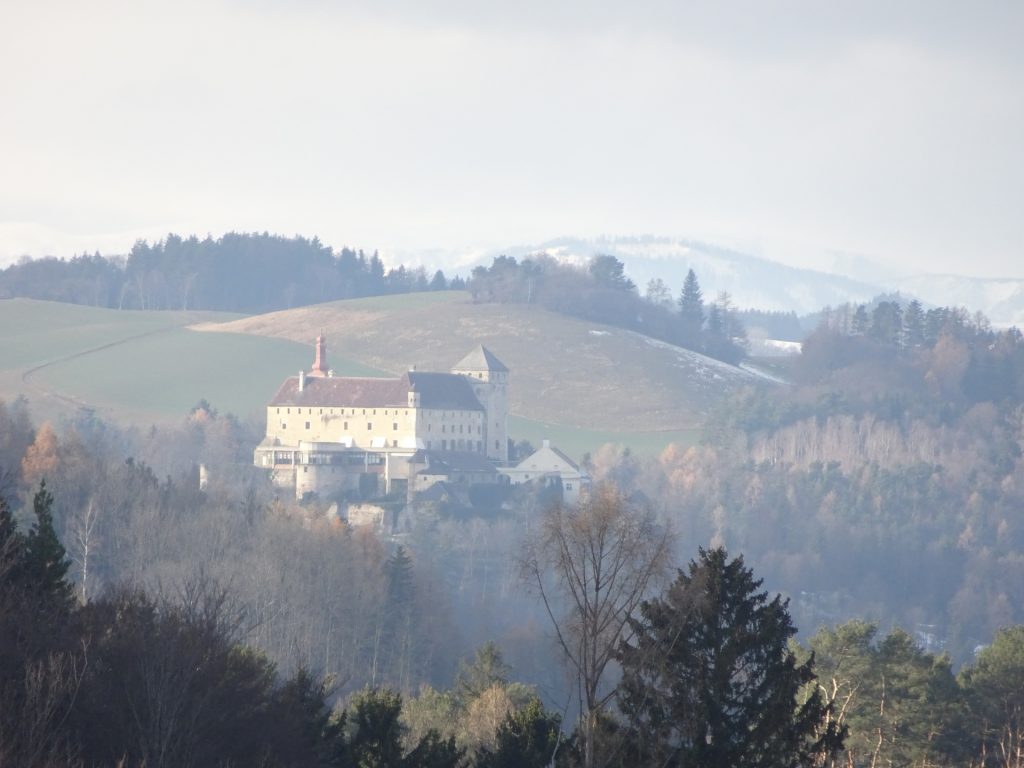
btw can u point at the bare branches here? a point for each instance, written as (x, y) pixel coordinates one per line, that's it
(591, 565)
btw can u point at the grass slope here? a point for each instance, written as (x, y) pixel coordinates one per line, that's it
(565, 372)
(578, 384)
(135, 366)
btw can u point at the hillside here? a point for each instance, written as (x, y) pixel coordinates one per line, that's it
(129, 365)
(564, 371)
(756, 282)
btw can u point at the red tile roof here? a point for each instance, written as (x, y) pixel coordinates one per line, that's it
(437, 391)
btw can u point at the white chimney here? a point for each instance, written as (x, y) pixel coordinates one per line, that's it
(302, 381)
(546, 444)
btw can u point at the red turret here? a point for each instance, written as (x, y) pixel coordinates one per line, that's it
(320, 364)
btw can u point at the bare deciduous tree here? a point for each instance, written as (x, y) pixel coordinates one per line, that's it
(592, 564)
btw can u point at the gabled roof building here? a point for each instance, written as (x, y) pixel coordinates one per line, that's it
(547, 465)
(329, 433)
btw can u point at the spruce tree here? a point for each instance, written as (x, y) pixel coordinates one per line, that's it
(913, 326)
(691, 311)
(11, 544)
(46, 561)
(528, 738)
(861, 321)
(709, 678)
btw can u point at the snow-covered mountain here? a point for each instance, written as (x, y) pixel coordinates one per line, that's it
(751, 281)
(1002, 301)
(759, 283)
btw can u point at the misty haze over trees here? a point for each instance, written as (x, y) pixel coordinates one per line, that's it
(253, 273)
(246, 273)
(879, 491)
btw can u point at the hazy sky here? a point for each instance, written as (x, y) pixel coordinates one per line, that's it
(891, 130)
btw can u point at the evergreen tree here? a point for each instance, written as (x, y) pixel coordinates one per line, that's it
(397, 627)
(691, 311)
(995, 698)
(488, 668)
(913, 325)
(302, 728)
(399, 575)
(529, 738)
(438, 281)
(12, 544)
(887, 323)
(710, 680)
(609, 272)
(46, 561)
(376, 732)
(861, 321)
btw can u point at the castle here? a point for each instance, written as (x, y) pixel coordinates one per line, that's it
(333, 434)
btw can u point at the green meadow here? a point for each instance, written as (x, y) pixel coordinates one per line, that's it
(150, 367)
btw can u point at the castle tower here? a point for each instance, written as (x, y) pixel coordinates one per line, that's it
(490, 378)
(320, 363)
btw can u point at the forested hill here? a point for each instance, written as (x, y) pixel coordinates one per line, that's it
(246, 273)
(259, 273)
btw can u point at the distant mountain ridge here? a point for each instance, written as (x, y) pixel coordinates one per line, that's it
(759, 283)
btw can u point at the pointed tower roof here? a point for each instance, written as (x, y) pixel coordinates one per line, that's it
(480, 359)
(320, 363)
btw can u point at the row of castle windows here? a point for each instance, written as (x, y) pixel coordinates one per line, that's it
(444, 428)
(373, 412)
(352, 411)
(461, 445)
(394, 427)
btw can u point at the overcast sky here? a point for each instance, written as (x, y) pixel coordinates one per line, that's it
(795, 131)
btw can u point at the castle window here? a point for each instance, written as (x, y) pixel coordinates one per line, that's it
(394, 443)
(460, 429)
(307, 425)
(289, 410)
(369, 426)
(497, 445)
(429, 426)
(568, 486)
(344, 425)
(284, 425)
(479, 446)
(321, 411)
(394, 426)
(478, 429)
(444, 445)
(429, 445)
(444, 428)
(278, 410)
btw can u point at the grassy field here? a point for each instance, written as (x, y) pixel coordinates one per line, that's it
(574, 383)
(575, 442)
(564, 371)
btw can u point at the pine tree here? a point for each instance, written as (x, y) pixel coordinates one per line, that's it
(529, 738)
(913, 326)
(46, 561)
(691, 311)
(397, 627)
(12, 544)
(398, 572)
(887, 323)
(861, 321)
(487, 668)
(709, 679)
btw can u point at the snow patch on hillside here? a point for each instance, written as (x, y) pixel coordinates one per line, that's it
(702, 369)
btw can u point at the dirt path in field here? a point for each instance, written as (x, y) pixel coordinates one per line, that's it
(39, 391)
